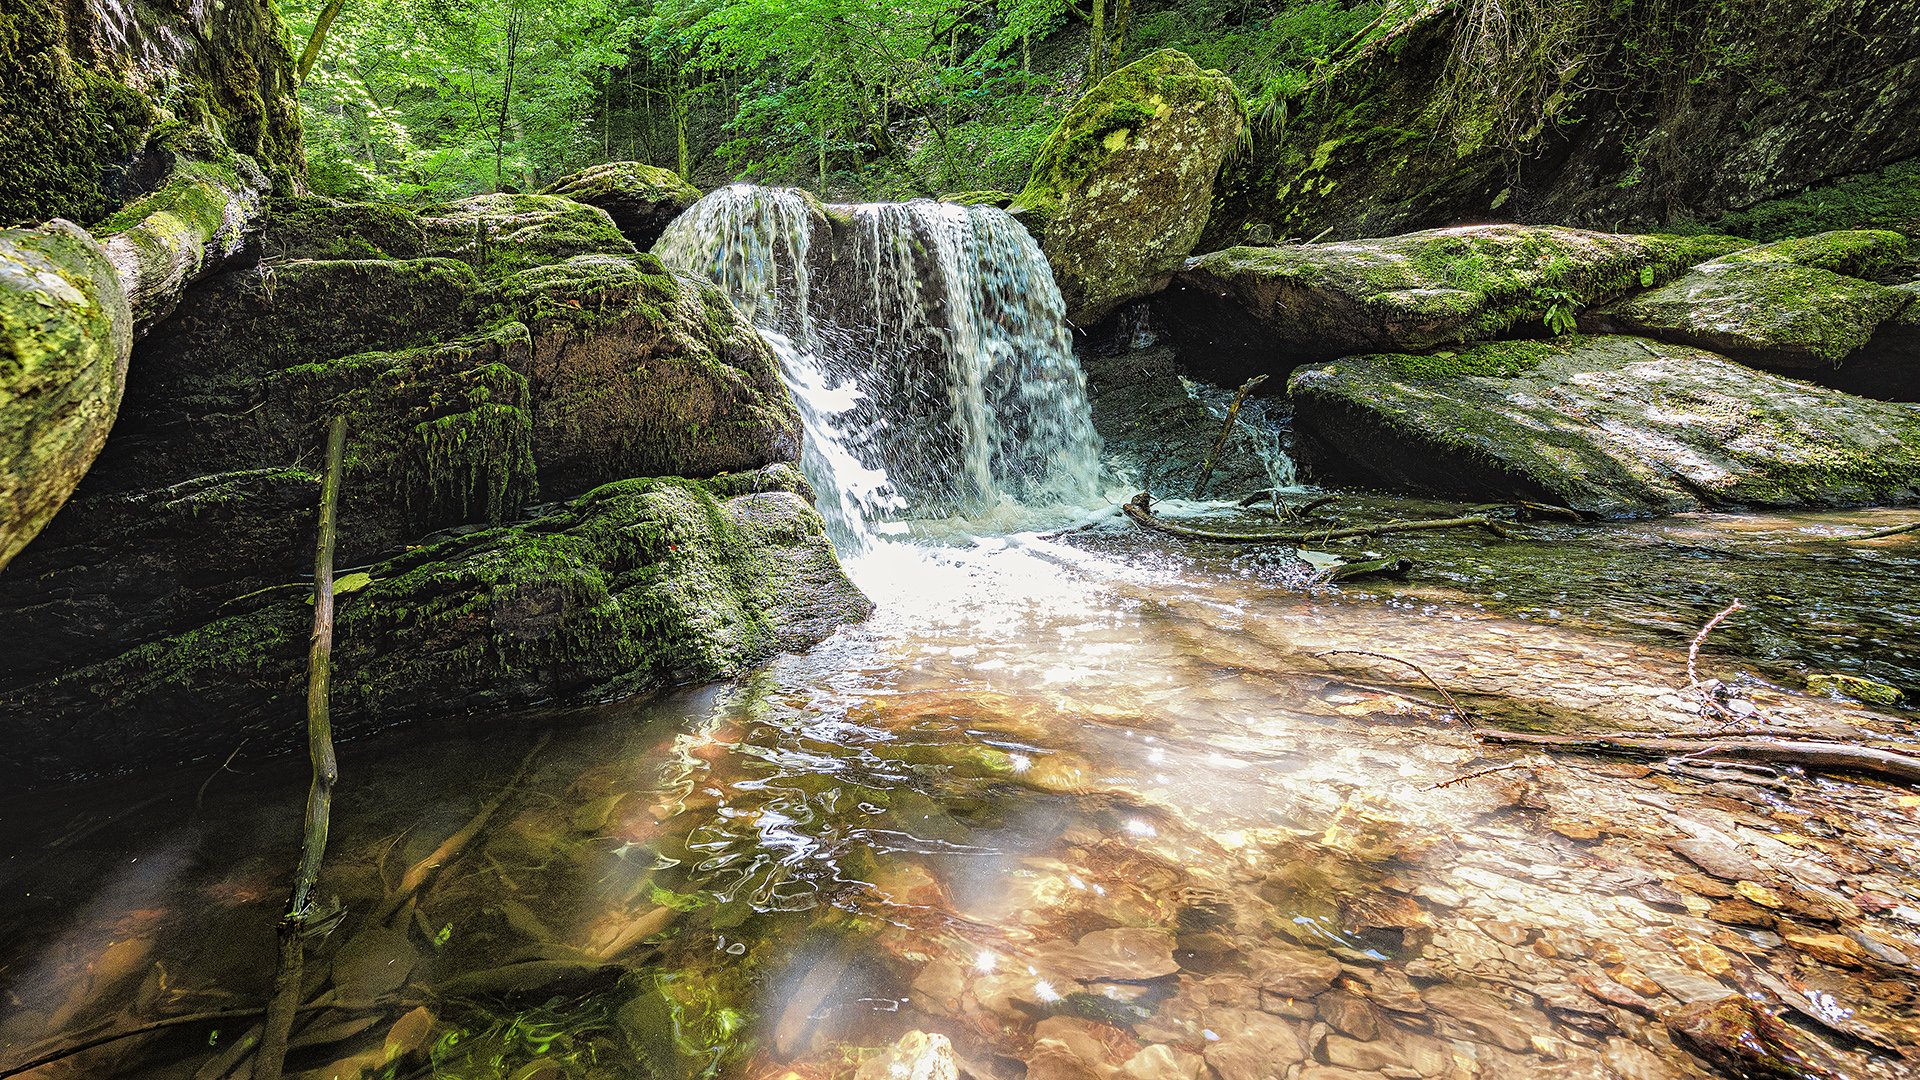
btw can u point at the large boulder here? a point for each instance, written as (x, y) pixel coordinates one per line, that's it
(1777, 315)
(1889, 367)
(503, 234)
(641, 199)
(634, 586)
(1249, 310)
(1120, 191)
(65, 335)
(1584, 112)
(1614, 426)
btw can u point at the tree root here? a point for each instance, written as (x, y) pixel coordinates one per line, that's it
(1821, 756)
(1138, 510)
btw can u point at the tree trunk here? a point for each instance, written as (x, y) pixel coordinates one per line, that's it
(1097, 51)
(314, 40)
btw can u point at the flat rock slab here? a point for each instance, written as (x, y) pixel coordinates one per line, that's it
(1615, 426)
(641, 199)
(1251, 309)
(1122, 954)
(1776, 315)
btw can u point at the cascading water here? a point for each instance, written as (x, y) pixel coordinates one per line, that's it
(925, 343)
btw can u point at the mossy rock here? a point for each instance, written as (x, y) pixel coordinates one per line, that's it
(1249, 310)
(641, 199)
(1887, 198)
(1120, 191)
(984, 197)
(66, 333)
(640, 372)
(502, 234)
(1762, 309)
(1615, 426)
(1861, 253)
(634, 586)
(312, 227)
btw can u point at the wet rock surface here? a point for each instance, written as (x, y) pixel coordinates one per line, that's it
(1608, 425)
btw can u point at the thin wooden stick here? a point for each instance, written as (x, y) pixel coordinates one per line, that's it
(1911, 526)
(421, 872)
(1459, 712)
(1226, 430)
(1145, 517)
(1699, 639)
(89, 1043)
(278, 1026)
(1828, 756)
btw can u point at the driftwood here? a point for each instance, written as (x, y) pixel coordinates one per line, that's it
(1139, 512)
(271, 1058)
(1226, 430)
(1911, 526)
(1823, 756)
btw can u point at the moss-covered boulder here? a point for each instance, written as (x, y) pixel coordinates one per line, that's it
(503, 234)
(1598, 113)
(1861, 253)
(1248, 310)
(65, 335)
(641, 372)
(634, 586)
(640, 199)
(1616, 426)
(83, 87)
(313, 227)
(1888, 367)
(1121, 190)
(1767, 312)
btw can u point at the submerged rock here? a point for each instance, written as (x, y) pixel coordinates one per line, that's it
(65, 334)
(1121, 189)
(1250, 310)
(501, 234)
(1771, 313)
(640, 199)
(1609, 425)
(1741, 1039)
(636, 585)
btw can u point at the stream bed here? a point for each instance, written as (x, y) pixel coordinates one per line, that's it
(1089, 804)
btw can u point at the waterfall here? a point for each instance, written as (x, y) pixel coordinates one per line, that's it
(925, 343)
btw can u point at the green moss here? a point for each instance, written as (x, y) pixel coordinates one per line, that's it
(1886, 199)
(194, 198)
(310, 227)
(1497, 359)
(504, 234)
(1862, 253)
(628, 179)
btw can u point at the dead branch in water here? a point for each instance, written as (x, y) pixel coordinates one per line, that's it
(1138, 510)
(1459, 712)
(1911, 526)
(275, 1029)
(1823, 756)
(420, 873)
(89, 1043)
(1478, 773)
(1226, 430)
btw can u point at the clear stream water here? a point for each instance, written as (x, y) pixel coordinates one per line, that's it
(1081, 800)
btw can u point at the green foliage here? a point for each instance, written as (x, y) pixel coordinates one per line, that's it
(426, 100)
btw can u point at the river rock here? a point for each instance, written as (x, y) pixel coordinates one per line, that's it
(1292, 972)
(1122, 954)
(1253, 310)
(914, 1056)
(639, 584)
(1120, 191)
(1613, 426)
(1859, 253)
(500, 234)
(1773, 314)
(1252, 1046)
(66, 332)
(640, 199)
(1741, 1039)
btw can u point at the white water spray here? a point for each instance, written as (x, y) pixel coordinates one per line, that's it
(925, 343)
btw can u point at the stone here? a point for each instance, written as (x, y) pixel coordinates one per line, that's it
(66, 332)
(1292, 972)
(1857, 687)
(1395, 134)
(1252, 1046)
(1121, 189)
(1348, 1014)
(1775, 315)
(914, 1056)
(1836, 949)
(1739, 1038)
(1121, 954)
(639, 584)
(1614, 426)
(316, 227)
(1489, 1018)
(1251, 311)
(1395, 1049)
(1161, 1062)
(641, 199)
(501, 234)
(1068, 1049)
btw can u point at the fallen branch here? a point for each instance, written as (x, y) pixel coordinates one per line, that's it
(1478, 773)
(423, 871)
(1459, 712)
(71, 1049)
(1824, 756)
(1911, 526)
(1226, 430)
(1145, 517)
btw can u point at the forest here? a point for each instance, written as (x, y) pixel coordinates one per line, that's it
(988, 539)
